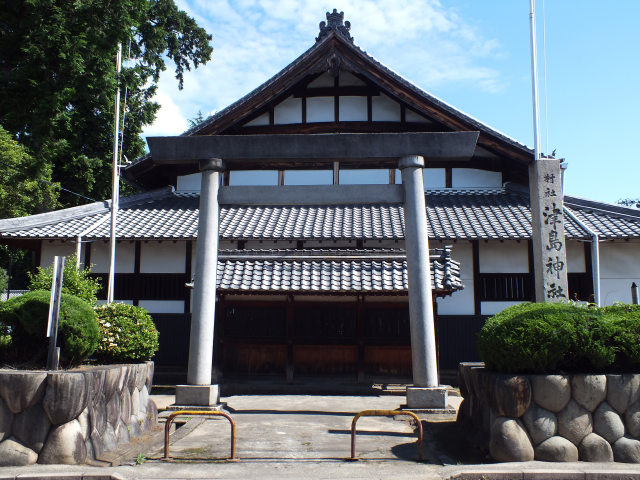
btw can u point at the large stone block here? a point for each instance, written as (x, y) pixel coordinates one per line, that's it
(556, 449)
(67, 395)
(594, 448)
(144, 400)
(131, 377)
(509, 441)
(589, 390)
(65, 444)
(14, 454)
(135, 401)
(511, 395)
(31, 427)
(574, 423)
(627, 450)
(551, 392)
(607, 423)
(135, 426)
(141, 375)
(96, 445)
(632, 419)
(21, 390)
(114, 408)
(149, 380)
(126, 408)
(123, 432)
(96, 379)
(6, 419)
(111, 379)
(85, 423)
(541, 424)
(123, 377)
(621, 390)
(109, 439)
(98, 416)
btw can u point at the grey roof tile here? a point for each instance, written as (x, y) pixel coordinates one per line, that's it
(500, 213)
(336, 271)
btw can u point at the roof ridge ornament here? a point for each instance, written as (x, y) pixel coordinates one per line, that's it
(335, 23)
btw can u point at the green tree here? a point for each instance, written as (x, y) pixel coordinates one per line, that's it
(58, 78)
(4, 280)
(74, 282)
(25, 183)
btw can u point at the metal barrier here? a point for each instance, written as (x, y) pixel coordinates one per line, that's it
(171, 417)
(384, 413)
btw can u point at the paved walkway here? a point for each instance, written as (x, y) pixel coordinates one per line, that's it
(298, 436)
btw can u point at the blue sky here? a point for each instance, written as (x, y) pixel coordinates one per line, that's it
(472, 54)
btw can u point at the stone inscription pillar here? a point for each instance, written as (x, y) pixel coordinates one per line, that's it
(426, 392)
(199, 390)
(547, 225)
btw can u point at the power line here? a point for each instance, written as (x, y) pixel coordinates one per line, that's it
(67, 190)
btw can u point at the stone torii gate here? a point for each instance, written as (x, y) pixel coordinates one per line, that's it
(406, 151)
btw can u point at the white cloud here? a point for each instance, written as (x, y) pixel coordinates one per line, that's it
(254, 39)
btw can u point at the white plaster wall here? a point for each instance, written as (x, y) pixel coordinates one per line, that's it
(491, 308)
(162, 306)
(384, 109)
(434, 178)
(461, 302)
(575, 256)
(288, 111)
(364, 176)
(189, 183)
(475, 178)
(59, 248)
(259, 121)
(320, 109)
(619, 267)
(509, 256)
(117, 300)
(411, 116)
(308, 177)
(324, 80)
(329, 243)
(125, 257)
(162, 257)
(352, 109)
(383, 243)
(253, 177)
(347, 79)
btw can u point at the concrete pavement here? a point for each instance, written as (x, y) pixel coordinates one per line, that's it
(301, 436)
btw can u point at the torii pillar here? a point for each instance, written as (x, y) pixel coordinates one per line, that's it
(200, 389)
(426, 392)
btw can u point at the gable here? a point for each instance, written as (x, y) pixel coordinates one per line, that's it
(335, 87)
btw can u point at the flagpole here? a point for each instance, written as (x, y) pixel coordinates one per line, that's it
(534, 81)
(116, 180)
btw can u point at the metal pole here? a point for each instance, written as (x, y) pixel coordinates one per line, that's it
(634, 293)
(116, 180)
(534, 81)
(54, 312)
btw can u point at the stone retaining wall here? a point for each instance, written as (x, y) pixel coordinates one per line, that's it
(556, 418)
(73, 416)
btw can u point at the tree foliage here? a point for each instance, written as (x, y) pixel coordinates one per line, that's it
(25, 183)
(58, 78)
(74, 282)
(4, 280)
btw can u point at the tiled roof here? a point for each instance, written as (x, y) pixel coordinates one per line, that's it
(334, 271)
(501, 213)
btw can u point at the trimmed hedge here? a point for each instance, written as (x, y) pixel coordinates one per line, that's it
(24, 321)
(565, 337)
(127, 334)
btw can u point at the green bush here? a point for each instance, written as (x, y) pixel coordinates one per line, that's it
(625, 320)
(4, 280)
(127, 333)
(565, 337)
(75, 281)
(24, 318)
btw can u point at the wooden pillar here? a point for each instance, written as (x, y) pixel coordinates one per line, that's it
(360, 331)
(290, 335)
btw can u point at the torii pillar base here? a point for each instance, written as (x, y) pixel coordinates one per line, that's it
(197, 395)
(420, 398)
